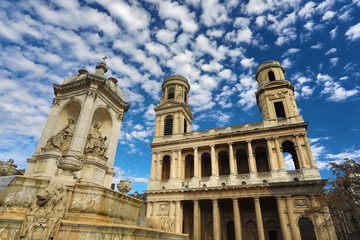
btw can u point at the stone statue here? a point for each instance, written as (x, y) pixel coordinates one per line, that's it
(45, 214)
(9, 168)
(95, 143)
(61, 141)
(124, 186)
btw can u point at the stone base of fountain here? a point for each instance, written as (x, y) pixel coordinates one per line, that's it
(38, 208)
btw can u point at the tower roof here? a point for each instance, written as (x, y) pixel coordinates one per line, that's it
(175, 78)
(268, 64)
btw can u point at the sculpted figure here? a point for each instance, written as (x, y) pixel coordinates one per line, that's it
(9, 168)
(95, 143)
(45, 214)
(163, 223)
(61, 141)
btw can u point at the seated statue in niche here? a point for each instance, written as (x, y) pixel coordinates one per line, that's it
(95, 143)
(61, 140)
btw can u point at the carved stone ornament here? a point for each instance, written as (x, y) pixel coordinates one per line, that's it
(56, 101)
(61, 141)
(95, 143)
(124, 186)
(69, 164)
(92, 93)
(44, 216)
(301, 203)
(120, 116)
(9, 168)
(162, 223)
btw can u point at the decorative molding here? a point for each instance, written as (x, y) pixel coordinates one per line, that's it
(300, 203)
(56, 101)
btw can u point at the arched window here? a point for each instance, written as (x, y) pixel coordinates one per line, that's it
(242, 162)
(165, 173)
(224, 167)
(271, 76)
(189, 166)
(185, 97)
(205, 165)
(168, 126)
(185, 126)
(262, 164)
(306, 229)
(290, 155)
(171, 93)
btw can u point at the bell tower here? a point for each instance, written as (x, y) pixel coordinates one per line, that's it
(173, 114)
(275, 95)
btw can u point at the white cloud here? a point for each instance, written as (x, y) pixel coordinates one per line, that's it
(335, 91)
(353, 32)
(316, 46)
(165, 36)
(328, 15)
(334, 61)
(213, 12)
(332, 50)
(286, 63)
(241, 22)
(256, 7)
(351, 154)
(178, 12)
(213, 66)
(333, 33)
(307, 11)
(260, 21)
(248, 62)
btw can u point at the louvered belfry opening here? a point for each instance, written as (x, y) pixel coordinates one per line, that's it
(168, 128)
(171, 94)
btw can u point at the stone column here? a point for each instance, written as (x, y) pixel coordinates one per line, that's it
(196, 162)
(281, 209)
(309, 152)
(237, 219)
(317, 219)
(197, 226)
(259, 221)
(153, 166)
(216, 220)
(173, 164)
(280, 156)
(300, 152)
(292, 221)
(172, 209)
(213, 161)
(270, 153)
(231, 159)
(179, 170)
(178, 219)
(251, 157)
(149, 209)
(158, 167)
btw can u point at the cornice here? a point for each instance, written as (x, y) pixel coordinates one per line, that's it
(230, 134)
(86, 82)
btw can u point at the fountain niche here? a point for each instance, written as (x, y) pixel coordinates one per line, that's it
(65, 192)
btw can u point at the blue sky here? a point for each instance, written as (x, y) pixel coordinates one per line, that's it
(216, 45)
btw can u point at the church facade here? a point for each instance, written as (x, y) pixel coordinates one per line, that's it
(232, 182)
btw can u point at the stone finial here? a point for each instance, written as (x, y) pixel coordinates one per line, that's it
(101, 68)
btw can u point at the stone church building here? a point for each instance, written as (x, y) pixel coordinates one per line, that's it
(232, 182)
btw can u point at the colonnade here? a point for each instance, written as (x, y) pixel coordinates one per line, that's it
(287, 218)
(274, 157)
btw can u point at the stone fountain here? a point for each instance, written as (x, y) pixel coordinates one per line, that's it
(65, 192)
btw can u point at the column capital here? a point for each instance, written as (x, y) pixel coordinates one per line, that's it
(248, 140)
(173, 150)
(297, 135)
(212, 145)
(234, 199)
(196, 147)
(178, 149)
(196, 201)
(256, 198)
(214, 200)
(230, 143)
